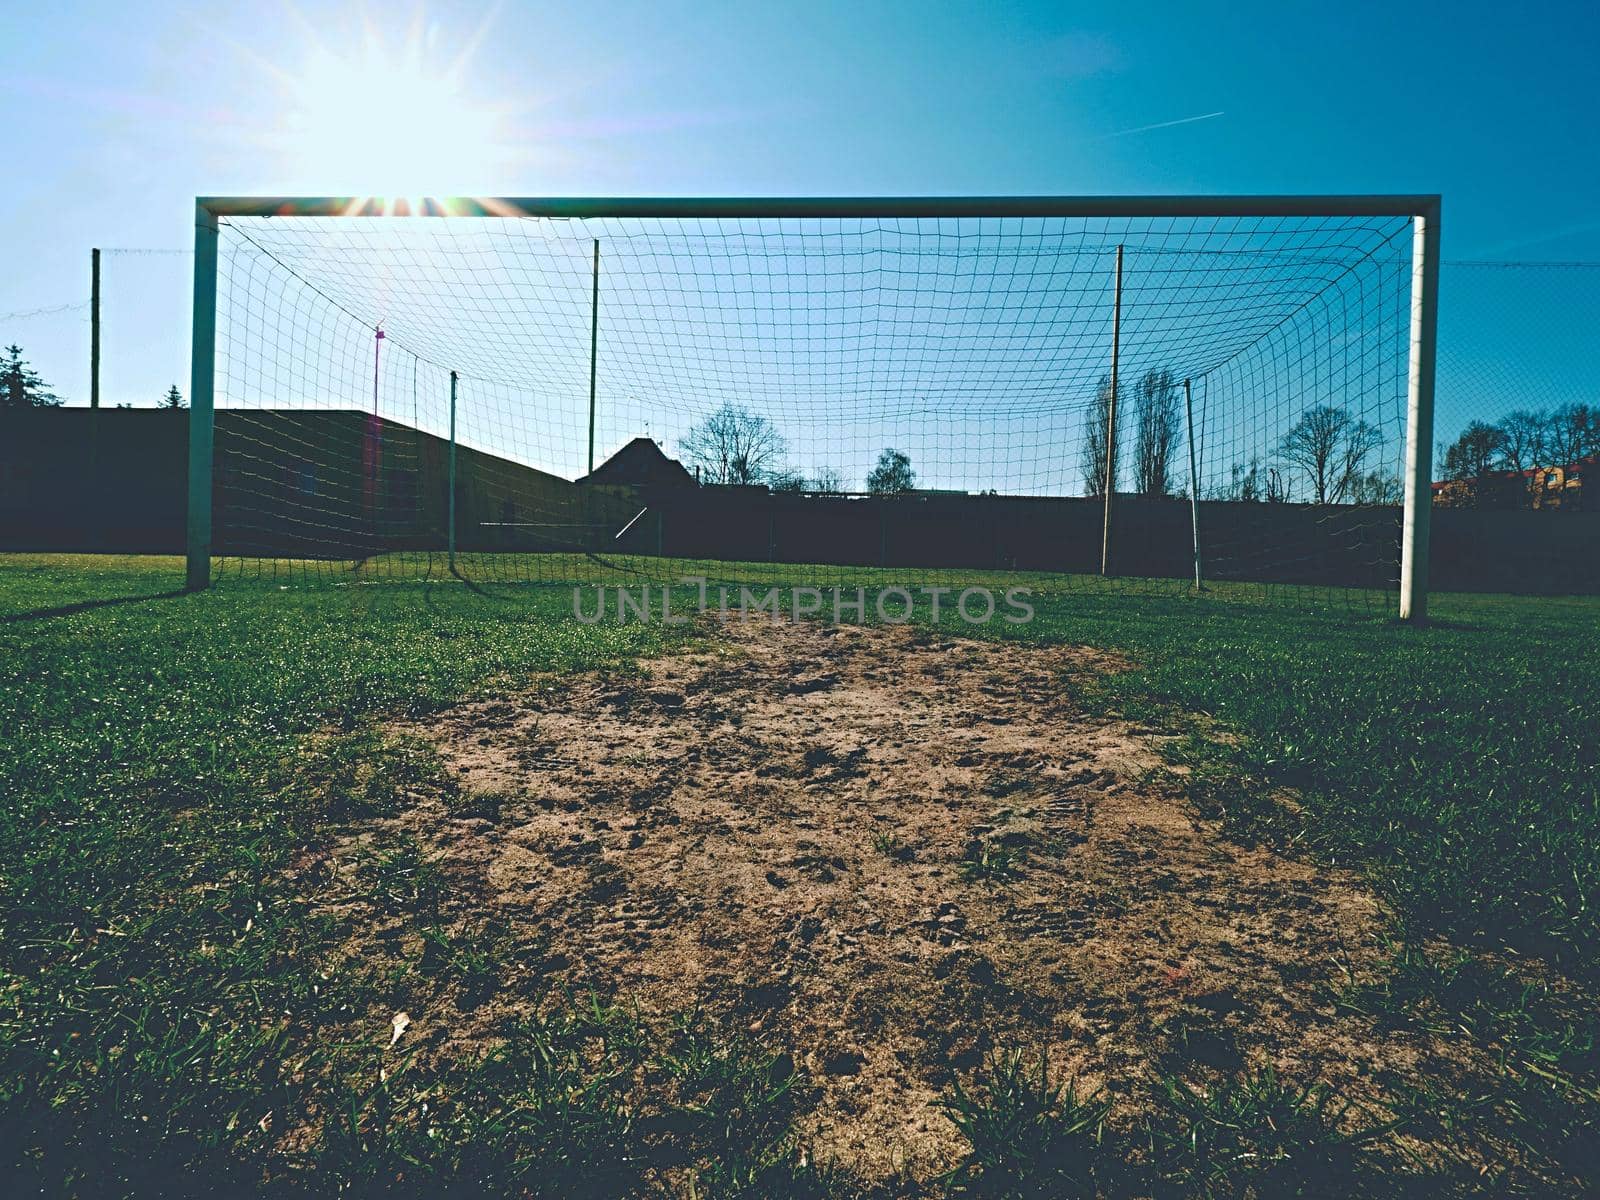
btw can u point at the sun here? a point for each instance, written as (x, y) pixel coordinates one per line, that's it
(392, 118)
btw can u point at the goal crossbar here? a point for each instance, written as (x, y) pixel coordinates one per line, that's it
(1422, 209)
(823, 206)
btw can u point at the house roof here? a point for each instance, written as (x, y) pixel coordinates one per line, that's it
(1572, 470)
(641, 463)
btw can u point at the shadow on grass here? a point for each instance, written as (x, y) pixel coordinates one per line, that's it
(67, 610)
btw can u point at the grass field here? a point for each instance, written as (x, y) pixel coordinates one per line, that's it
(183, 1010)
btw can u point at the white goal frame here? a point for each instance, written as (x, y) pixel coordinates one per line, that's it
(1424, 210)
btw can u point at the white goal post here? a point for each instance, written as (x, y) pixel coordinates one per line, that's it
(1423, 211)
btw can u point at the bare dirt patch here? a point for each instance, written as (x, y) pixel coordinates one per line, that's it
(888, 851)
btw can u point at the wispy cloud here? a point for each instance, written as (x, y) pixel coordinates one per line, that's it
(1163, 125)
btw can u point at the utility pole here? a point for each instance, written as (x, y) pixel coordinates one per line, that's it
(93, 491)
(94, 328)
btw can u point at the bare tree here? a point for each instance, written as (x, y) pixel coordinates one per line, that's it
(892, 476)
(1244, 483)
(1276, 488)
(825, 482)
(733, 445)
(1332, 448)
(1156, 433)
(1525, 434)
(1377, 487)
(1475, 453)
(1094, 441)
(1360, 440)
(1573, 432)
(828, 482)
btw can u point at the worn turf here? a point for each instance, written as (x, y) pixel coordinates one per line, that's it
(176, 996)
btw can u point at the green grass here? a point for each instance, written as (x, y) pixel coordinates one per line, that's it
(158, 968)
(170, 759)
(1030, 1135)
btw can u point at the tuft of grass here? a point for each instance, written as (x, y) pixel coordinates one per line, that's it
(1029, 1136)
(987, 861)
(888, 843)
(1544, 1041)
(471, 957)
(404, 879)
(735, 1100)
(1259, 1136)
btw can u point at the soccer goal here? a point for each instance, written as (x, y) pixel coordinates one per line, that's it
(1169, 393)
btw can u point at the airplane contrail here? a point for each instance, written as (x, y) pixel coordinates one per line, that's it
(1164, 124)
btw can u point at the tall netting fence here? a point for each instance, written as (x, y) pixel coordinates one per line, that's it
(1516, 495)
(816, 401)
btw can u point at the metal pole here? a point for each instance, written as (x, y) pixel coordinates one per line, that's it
(594, 346)
(450, 534)
(93, 492)
(1194, 484)
(94, 328)
(377, 354)
(202, 380)
(1111, 417)
(371, 497)
(1419, 416)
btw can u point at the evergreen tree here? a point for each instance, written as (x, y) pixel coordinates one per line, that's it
(20, 385)
(173, 398)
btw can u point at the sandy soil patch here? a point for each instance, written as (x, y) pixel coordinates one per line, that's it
(888, 851)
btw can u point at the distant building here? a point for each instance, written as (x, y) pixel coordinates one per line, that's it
(640, 464)
(1549, 488)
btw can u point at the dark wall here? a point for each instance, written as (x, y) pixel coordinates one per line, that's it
(85, 479)
(1150, 537)
(1551, 552)
(311, 483)
(1335, 545)
(297, 483)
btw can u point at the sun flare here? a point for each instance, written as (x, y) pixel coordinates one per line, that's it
(390, 119)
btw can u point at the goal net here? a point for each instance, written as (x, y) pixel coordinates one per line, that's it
(583, 392)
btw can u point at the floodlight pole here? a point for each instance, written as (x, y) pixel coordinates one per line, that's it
(450, 504)
(1111, 418)
(1194, 483)
(202, 379)
(1419, 415)
(594, 346)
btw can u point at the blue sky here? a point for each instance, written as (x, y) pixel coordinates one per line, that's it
(117, 114)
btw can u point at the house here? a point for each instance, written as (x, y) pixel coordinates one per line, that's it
(1553, 487)
(640, 464)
